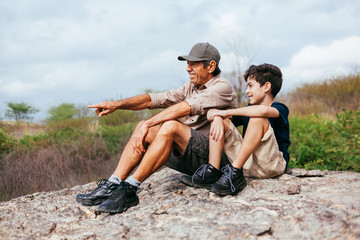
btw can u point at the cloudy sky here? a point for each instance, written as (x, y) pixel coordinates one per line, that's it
(88, 51)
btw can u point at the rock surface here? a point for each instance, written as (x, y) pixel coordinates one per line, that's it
(297, 205)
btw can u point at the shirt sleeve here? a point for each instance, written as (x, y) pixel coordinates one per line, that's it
(239, 120)
(168, 98)
(219, 95)
(284, 113)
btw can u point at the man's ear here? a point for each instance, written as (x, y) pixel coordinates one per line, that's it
(212, 66)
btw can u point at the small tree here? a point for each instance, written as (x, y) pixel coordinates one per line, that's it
(62, 112)
(20, 111)
(243, 52)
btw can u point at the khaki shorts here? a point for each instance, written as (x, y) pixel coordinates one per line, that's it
(265, 162)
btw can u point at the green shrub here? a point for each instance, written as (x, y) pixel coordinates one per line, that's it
(320, 143)
(116, 137)
(6, 143)
(62, 112)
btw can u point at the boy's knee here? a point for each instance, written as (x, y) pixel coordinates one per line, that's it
(258, 121)
(261, 123)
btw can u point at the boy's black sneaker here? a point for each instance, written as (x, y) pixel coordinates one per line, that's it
(121, 199)
(203, 177)
(231, 182)
(103, 191)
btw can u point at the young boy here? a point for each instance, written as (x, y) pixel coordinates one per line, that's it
(262, 151)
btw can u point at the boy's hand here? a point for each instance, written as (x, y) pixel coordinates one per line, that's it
(217, 128)
(215, 112)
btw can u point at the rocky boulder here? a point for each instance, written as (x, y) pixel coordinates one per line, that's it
(297, 205)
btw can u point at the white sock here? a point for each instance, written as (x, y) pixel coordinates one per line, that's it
(115, 179)
(132, 181)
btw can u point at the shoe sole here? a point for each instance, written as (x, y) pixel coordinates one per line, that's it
(191, 184)
(120, 210)
(228, 191)
(90, 202)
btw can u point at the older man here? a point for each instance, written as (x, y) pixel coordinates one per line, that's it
(162, 139)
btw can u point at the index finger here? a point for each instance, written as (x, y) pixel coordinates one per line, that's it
(94, 106)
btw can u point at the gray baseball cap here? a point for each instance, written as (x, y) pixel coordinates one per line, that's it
(201, 52)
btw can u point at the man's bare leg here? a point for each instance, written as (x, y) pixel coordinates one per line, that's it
(129, 158)
(172, 134)
(128, 161)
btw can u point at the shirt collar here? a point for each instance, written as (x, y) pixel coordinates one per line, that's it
(209, 83)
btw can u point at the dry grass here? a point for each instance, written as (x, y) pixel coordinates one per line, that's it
(325, 98)
(53, 167)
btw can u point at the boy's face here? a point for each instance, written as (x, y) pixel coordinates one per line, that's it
(255, 92)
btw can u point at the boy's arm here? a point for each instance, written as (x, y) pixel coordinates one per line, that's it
(261, 111)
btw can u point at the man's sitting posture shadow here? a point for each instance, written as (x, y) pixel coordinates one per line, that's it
(162, 139)
(262, 151)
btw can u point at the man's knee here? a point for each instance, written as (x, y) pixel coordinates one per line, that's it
(177, 132)
(170, 127)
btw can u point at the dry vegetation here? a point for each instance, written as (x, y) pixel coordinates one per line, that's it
(327, 97)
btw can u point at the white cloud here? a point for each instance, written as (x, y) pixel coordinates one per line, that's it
(315, 63)
(88, 51)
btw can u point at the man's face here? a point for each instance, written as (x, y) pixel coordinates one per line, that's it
(255, 92)
(198, 74)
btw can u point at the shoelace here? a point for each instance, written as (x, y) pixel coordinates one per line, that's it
(200, 171)
(227, 176)
(101, 181)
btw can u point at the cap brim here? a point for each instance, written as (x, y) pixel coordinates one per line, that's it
(189, 58)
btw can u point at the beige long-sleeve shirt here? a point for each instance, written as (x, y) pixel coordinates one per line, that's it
(216, 93)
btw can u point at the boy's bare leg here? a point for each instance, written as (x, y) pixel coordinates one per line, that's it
(215, 152)
(216, 147)
(255, 131)
(129, 158)
(232, 180)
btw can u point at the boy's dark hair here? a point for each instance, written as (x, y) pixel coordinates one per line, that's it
(217, 70)
(266, 73)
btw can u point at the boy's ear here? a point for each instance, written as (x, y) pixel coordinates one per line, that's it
(267, 86)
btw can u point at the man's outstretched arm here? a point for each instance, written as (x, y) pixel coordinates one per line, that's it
(133, 103)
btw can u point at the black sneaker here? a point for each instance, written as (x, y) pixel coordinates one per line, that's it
(231, 182)
(99, 195)
(120, 200)
(204, 177)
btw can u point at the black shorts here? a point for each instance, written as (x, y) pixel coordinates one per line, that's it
(196, 154)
